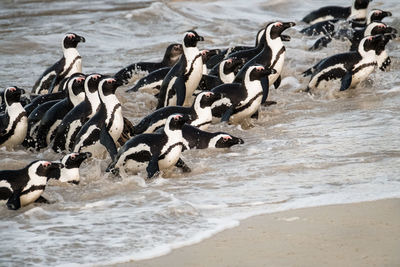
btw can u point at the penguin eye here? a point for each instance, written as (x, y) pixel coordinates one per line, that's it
(12, 89)
(73, 156)
(377, 12)
(260, 68)
(227, 138)
(46, 164)
(191, 35)
(71, 36)
(110, 81)
(278, 24)
(208, 95)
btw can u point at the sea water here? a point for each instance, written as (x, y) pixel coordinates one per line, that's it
(304, 151)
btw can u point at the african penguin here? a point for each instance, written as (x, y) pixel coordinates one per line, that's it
(351, 67)
(158, 151)
(24, 186)
(126, 75)
(184, 77)
(227, 69)
(69, 171)
(53, 117)
(152, 81)
(199, 114)
(76, 117)
(105, 127)
(14, 122)
(69, 64)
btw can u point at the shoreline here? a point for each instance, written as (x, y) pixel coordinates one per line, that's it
(355, 234)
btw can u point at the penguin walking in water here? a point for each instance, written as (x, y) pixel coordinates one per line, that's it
(194, 138)
(159, 151)
(68, 172)
(350, 67)
(357, 12)
(14, 122)
(242, 100)
(171, 56)
(69, 64)
(24, 186)
(199, 114)
(273, 54)
(152, 81)
(106, 126)
(373, 28)
(53, 117)
(73, 121)
(184, 77)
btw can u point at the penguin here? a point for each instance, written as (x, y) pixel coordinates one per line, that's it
(126, 75)
(76, 117)
(68, 172)
(206, 55)
(69, 64)
(374, 28)
(41, 99)
(106, 126)
(357, 12)
(383, 58)
(199, 114)
(53, 117)
(228, 69)
(375, 15)
(24, 186)
(351, 67)
(194, 138)
(151, 81)
(159, 151)
(184, 77)
(273, 54)
(23, 100)
(242, 100)
(14, 122)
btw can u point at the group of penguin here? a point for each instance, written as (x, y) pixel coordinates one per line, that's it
(79, 114)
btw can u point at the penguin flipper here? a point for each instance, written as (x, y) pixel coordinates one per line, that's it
(107, 141)
(265, 87)
(180, 90)
(277, 83)
(346, 81)
(153, 168)
(182, 165)
(321, 42)
(14, 201)
(227, 114)
(385, 64)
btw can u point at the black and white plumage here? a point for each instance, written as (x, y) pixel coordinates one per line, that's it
(53, 117)
(199, 114)
(106, 126)
(227, 69)
(374, 28)
(184, 77)
(242, 100)
(351, 67)
(14, 122)
(24, 186)
(126, 75)
(273, 54)
(68, 172)
(357, 12)
(151, 81)
(73, 121)
(158, 151)
(69, 64)
(38, 100)
(194, 138)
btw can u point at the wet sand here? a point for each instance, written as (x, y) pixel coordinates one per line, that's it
(360, 234)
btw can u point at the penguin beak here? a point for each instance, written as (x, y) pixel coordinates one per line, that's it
(387, 14)
(56, 165)
(286, 25)
(391, 30)
(81, 39)
(239, 141)
(22, 91)
(200, 38)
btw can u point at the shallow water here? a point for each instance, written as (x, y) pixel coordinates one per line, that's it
(304, 151)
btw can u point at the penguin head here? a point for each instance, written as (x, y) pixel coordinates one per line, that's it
(92, 83)
(372, 43)
(174, 51)
(44, 168)
(378, 15)
(361, 4)
(176, 121)
(76, 87)
(191, 38)
(256, 72)
(275, 29)
(233, 64)
(12, 95)
(224, 140)
(206, 99)
(375, 28)
(73, 161)
(71, 40)
(109, 85)
(207, 54)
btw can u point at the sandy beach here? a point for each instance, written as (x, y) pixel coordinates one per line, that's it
(360, 234)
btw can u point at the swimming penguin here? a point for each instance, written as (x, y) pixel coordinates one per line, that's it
(152, 81)
(242, 100)
(171, 56)
(351, 67)
(199, 114)
(184, 77)
(75, 118)
(357, 12)
(383, 58)
(53, 117)
(228, 69)
(106, 126)
(374, 28)
(194, 138)
(69, 64)
(69, 171)
(158, 151)
(375, 15)
(14, 122)
(273, 54)
(24, 186)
